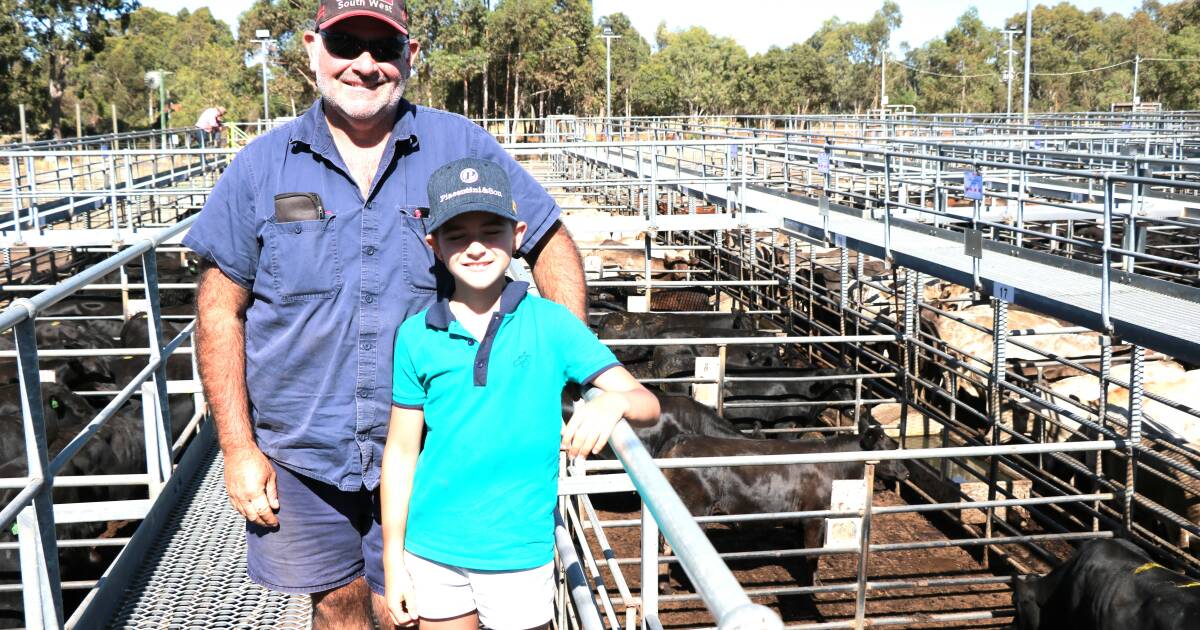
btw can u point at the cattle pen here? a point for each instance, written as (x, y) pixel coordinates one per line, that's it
(1017, 306)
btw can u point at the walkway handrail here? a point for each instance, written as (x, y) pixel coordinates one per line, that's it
(581, 593)
(29, 309)
(33, 506)
(715, 583)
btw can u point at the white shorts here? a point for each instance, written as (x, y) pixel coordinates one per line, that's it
(506, 600)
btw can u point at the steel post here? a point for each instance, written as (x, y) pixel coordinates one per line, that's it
(40, 576)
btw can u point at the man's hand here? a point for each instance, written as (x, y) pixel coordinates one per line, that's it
(592, 423)
(250, 482)
(402, 606)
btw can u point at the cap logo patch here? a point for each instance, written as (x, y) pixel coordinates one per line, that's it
(469, 176)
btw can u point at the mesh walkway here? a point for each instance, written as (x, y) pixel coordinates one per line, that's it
(194, 575)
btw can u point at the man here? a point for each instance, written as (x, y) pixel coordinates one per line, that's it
(210, 120)
(314, 252)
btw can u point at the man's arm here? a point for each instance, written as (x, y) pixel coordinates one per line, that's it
(221, 356)
(558, 270)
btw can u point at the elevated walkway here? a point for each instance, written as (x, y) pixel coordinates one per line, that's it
(1152, 313)
(188, 568)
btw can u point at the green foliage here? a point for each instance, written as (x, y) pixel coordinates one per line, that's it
(197, 50)
(63, 33)
(701, 70)
(503, 58)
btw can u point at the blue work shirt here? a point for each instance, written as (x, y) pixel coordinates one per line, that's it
(329, 294)
(486, 481)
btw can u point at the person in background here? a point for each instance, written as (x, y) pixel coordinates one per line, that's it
(210, 125)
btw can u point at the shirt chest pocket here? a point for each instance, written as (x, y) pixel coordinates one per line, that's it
(420, 265)
(304, 259)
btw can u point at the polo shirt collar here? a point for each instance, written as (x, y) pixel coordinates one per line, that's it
(439, 316)
(311, 128)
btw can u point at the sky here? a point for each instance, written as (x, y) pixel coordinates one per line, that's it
(758, 24)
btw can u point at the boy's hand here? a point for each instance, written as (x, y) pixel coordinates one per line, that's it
(398, 591)
(592, 424)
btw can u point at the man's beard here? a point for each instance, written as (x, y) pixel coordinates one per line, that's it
(327, 87)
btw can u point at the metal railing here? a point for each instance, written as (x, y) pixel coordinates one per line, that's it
(33, 506)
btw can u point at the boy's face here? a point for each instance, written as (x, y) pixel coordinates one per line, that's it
(477, 247)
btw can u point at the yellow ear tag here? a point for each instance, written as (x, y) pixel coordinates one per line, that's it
(1147, 567)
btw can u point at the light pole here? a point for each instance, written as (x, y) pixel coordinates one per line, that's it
(262, 36)
(158, 79)
(608, 36)
(1008, 74)
(1028, 57)
(1137, 62)
(883, 98)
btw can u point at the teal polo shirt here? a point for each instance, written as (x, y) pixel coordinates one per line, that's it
(486, 483)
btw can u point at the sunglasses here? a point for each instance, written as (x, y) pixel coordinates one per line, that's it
(345, 46)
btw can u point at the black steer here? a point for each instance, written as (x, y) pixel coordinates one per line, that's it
(625, 325)
(1107, 585)
(679, 415)
(780, 391)
(761, 489)
(682, 416)
(64, 413)
(680, 360)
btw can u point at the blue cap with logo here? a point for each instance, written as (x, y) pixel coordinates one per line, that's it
(469, 185)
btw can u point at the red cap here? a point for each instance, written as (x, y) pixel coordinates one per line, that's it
(330, 12)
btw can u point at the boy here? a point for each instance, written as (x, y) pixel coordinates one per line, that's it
(468, 516)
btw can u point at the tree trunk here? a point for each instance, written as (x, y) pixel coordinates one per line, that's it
(516, 108)
(57, 88)
(485, 91)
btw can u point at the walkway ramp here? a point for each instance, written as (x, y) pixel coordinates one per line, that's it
(189, 569)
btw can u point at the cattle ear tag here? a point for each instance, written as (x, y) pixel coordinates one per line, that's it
(53, 324)
(16, 530)
(54, 403)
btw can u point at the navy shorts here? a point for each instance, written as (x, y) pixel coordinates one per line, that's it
(326, 538)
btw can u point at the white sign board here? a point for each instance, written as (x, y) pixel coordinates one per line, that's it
(1003, 292)
(134, 307)
(637, 304)
(847, 495)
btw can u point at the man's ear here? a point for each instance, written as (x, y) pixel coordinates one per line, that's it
(519, 231)
(433, 244)
(312, 47)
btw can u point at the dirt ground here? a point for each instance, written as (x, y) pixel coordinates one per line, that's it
(784, 572)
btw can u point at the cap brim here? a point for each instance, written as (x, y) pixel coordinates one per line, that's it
(488, 208)
(338, 18)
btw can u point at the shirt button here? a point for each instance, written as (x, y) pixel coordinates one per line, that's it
(297, 229)
(470, 342)
(367, 347)
(368, 299)
(364, 393)
(479, 364)
(370, 251)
